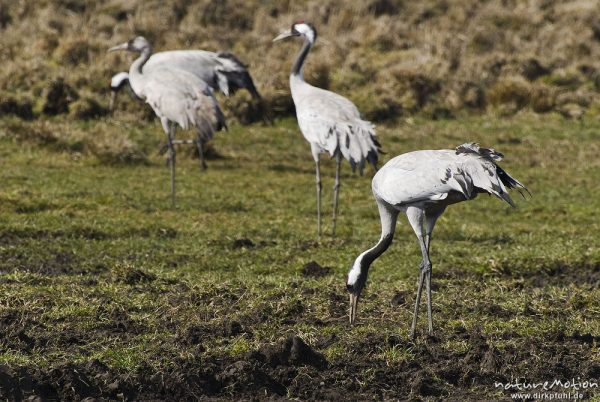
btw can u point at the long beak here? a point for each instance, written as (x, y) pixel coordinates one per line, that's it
(113, 100)
(353, 307)
(122, 46)
(283, 35)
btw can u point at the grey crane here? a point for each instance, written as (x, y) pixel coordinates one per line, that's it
(422, 184)
(221, 70)
(328, 121)
(177, 97)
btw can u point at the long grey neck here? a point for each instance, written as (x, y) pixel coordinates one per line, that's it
(373, 253)
(299, 63)
(136, 66)
(388, 216)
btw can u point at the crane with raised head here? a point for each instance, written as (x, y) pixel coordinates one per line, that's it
(328, 121)
(422, 184)
(177, 98)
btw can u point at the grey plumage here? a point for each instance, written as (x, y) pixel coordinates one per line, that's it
(328, 121)
(221, 71)
(177, 97)
(422, 184)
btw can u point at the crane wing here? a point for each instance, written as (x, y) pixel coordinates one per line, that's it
(417, 177)
(201, 63)
(423, 176)
(184, 99)
(333, 123)
(219, 70)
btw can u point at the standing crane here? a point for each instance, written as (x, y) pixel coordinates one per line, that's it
(221, 70)
(328, 121)
(422, 184)
(177, 97)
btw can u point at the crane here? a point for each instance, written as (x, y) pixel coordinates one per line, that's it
(177, 98)
(422, 184)
(221, 70)
(328, 121)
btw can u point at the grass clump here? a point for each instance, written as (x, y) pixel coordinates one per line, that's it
(17, 106)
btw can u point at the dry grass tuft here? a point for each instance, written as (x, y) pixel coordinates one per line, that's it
(439, 54)
(511, 94)
(58, 96)
(87, 108)
(113, 148)
(20, 107)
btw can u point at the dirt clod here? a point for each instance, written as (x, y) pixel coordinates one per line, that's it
(313, 269)
(242, 243)
(399, 299)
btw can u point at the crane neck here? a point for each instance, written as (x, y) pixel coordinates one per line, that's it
(138, 64)
(297, 68)
(358, 274)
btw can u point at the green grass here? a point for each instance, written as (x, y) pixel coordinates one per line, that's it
(74, 231)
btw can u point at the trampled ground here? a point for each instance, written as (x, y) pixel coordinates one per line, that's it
(105, 291)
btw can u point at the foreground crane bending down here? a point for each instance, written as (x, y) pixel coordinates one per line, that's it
(422, 184)
(221, 70)
(328, 121)
(177, 97)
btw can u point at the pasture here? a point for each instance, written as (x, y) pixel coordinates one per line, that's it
(106, 291)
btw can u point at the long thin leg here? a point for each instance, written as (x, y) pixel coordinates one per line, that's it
(172, 160)
(428, 287)
(200, 146)
(430, 220)
(413, 327)
(416, 218)
(318, 180)
(336, 189)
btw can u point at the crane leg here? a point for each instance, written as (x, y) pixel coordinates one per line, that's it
(430, 220)
(200, 146)
(422, 274)
(416, 218)
(318, 181)
(172, 160)
(428, 288)
(336, 189)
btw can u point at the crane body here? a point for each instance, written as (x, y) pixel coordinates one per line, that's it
(329, 122)
(177, 98)
(422, 184)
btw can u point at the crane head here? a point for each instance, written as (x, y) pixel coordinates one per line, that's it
(357, 278)
(117, 82)
(137, 45)
(301, 28)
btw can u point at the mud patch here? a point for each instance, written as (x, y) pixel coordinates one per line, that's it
(242, 243)
(294, 369)
(294, 351)
(400, 298)
(245, 243)
(54, 264)
(135, 276)
(314, 270)
(555, 273)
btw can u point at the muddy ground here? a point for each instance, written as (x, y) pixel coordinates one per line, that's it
(290, 368)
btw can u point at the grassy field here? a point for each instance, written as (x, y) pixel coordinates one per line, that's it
(106, 291)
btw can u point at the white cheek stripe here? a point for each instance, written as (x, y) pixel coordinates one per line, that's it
(354, 272)
(305, 30)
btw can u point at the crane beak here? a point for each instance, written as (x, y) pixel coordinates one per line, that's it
(122, 46)
(283, 35)
(113, 100)
(353, 307)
